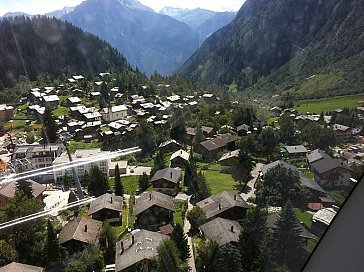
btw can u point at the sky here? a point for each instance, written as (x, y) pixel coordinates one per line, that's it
(43, 6)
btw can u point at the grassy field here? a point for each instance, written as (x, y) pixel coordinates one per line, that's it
(74, 145)
(219, 182)
(180, 209)
(330, 104)
(130, 184)
(339, 196)
(304, 217)
(61, 111)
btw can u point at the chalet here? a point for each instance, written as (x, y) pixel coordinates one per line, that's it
(342, 133)
(315, 190)
(95, 95)
(35, 96)
(72, 126)
(332, 173)
(73, 101)
(97, 86)
(170, 146)
(107, 207)
(19, 267)
(209, 98)
(174, 99)
(210, 148)
(228, 160)
(321, 220)
(114, 113)
(276, 111)
(327, 201)
(78, 78)
(264, 169)
(76, 234)
(8, 191)
(296, 151)
(315, 156)
(167, 181)
(179, 159)
(243, 130)
(153, 209)
(123, 165)
(208, 131)
(6, 113)
(226, 205)
(136, 251)
(190, 134)
(221, 230)
(92, 116)
(50, 101)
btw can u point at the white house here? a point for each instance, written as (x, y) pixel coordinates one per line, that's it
(114, 113)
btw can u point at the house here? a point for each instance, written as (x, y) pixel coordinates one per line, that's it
(179, 159)
(264, 169)
(73, 101)
(170, 146)
(321, 220)
(190, 134)
(209, 98)
(6, 113)
(276, 111)
(210, 148)
(134, 252)
(207, 131)
(295, 151)
(342, 133)
(19, 267)
(114, 113)
(76, 234)
(153, 209)
(95, 95)
(8, 191)
(221, 230)
(243, 130)
(167, 181)
(228, 160)
(332, 173)
(226, 205)
(82, 159)
(107, 207)
(316, 155)
(50, 101)
(313, 187)
(123, 165)
(92, 116)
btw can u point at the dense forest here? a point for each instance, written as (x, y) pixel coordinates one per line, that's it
(41, 45)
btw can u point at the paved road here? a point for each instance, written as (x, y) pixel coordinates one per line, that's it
(249, 190)
(186, 229)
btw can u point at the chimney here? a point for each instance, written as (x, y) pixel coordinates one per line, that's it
(150, 196)
(122, 247)
(132, 239)
(219, 206)
(232, 228)
(234, 197)
(111, 200)
(171, 174)
(85, 227)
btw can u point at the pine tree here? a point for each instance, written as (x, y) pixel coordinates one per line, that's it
(107, 243)
(98, 184)
(168, 258)
(52, 245)
(180, 239)
(199, 137)
(159, 163)
(25, 186)
(202, 190)
(197, 217)
(67, 181)
(49, 132)
(288, 245)
(227, 259)
(143, 182)
(119, 188)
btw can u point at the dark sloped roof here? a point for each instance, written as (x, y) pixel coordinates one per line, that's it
(106, 201)
(19, 267)
(296, 149)
(144, 247)
(207, 130)
(328, 164)
(266, 167)
(171, 174)
(149, 199)
(243, 127)
(75, 230)
(221, 230)
(316, 155)
(213, 144)
(221, 202)
(9, 189)
(311, 184)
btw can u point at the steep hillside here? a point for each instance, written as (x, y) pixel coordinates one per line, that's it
(219, 20)
(42, 45)
(148, 40)
(331, 65)
(264, 36)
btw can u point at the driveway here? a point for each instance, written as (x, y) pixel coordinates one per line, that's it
(249, 190)
(186, 229)
(137, 170)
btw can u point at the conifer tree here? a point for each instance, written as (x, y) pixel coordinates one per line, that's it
(202, 190)
(52, 245)
(49, 132)
(98, 184)
(25, 186)
(180, 239)
(227, 259)
(119, 188)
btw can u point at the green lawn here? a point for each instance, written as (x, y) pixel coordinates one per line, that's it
(180, 209)
(330, 104)
(219, 182)
(61, 111)
(339, 196)
(130, 184)
(272, 121)
(74, 145)
(304, 217)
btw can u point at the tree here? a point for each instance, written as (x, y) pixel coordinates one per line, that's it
(25, 186)
(202, 190)
(52, 244)
(180, 239)
(49, 132)
(146, 138)
(72, 197)
(107, 243)
(85, 179)
(197, 217)
(199, 137)
(205, 253)
(288, 246)
(227, 259)
(287, 129)
(67, 181)
(242, 167)
(7, 253)
(89, 260)
(279, 185)
(318, 137)
(159, 163)
(98, 184)
(168, 258)
(119, 188)
(143, 182)
(268, 142)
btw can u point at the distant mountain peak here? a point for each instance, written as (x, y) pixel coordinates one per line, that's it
(134, 4)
